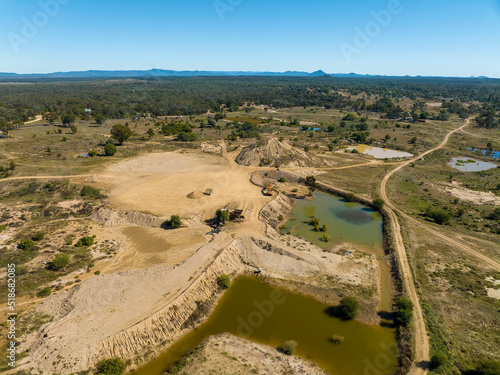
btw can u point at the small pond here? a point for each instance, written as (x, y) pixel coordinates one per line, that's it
(465, 164)
(270, 315)
(380, 153)
(489, 153)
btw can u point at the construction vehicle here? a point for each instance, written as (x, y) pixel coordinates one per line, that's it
(268, 190)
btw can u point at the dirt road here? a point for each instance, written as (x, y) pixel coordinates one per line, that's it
(422, 348)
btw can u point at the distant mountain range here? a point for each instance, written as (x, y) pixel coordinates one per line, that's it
(158, 73)
(178, 73)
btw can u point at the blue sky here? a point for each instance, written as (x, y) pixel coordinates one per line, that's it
(413, 37)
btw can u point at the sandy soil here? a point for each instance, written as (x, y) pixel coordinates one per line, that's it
(227, 354)
(479, 197)
(132, 302)
(160, 184)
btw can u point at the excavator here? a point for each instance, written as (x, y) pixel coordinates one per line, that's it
(268, 190)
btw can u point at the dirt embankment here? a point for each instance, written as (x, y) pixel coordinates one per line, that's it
(279, 154)
(228, 354)
(113, 218)
(135, 311)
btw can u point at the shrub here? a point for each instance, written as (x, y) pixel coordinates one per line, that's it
(337, 339)
(348, 308)
(97, 273)
(38, 236)
(224, 281)
(311, 183)
(350, 197)
(280, 217)
(439, 215)
(404, 311)
(91, 192)
(325, 238)
(496, 213)
(378, 204)
(26, 244)
(324, 228)
(186, 136)
(93, 153)
(488, 368)
(282, 179)
(112, 366)
(109, 149)
(60, 261)
(174, 222)
(288, 347)
(85, 241)
(44, 292)
(437, 360)
(2, 228)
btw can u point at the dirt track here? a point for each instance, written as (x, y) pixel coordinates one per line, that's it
(422, 348)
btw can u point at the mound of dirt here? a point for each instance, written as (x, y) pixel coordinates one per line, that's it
(195, 195)
(278, 154)
(94, 178)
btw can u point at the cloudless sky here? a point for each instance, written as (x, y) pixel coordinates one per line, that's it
(427, 37)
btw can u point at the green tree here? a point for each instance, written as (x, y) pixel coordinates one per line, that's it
(186, 136)
(350, 197)
(99, 119)
(93, 153)
(51, 117)
(73, 128)
(404, 311)
(413, 140)
(348, 308)
(68, 119)
(60, 261)
(439, 215)
(222, 215)
(224, 281)
(489, 146)
(85, 241)
(151, 133)
(109, 149)
(174, 222)
(112, 366)
(378, 204)
(438, 359)
(349, 117)
(121, 133)
(311, 183)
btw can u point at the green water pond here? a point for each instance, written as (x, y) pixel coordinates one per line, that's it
(265, 314)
